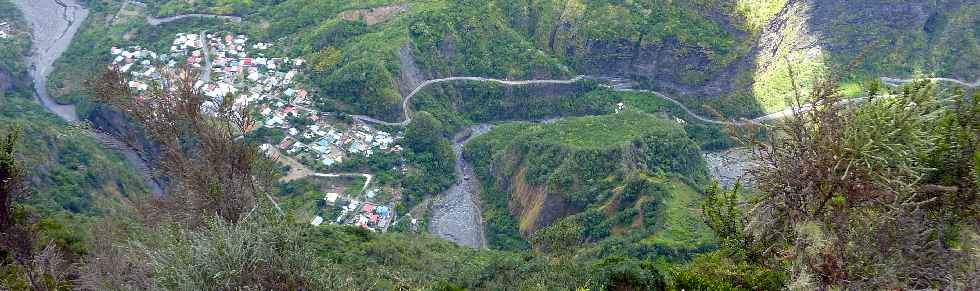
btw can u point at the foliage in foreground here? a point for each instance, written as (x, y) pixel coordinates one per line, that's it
(881, 195)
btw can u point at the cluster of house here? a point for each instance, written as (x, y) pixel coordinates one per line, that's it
(329, 144)
(3, 30)
(225, 65)
(367, 215)
(138, 62)
(267, 85)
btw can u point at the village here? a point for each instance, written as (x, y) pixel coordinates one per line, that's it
(268, 88)
(365, 214)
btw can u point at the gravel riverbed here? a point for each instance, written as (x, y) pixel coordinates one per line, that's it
(456, 213)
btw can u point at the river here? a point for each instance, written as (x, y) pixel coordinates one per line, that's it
(55, 24)
(456, 213)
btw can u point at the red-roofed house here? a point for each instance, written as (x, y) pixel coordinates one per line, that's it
(368, 207)
(286, 142)
(290, 109)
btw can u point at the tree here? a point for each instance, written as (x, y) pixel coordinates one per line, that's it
(24, 262)
(326, 59)
(724, 216)
(424, 133)
(211, 171)
(844, 203)
(431, 154)
(209, 229)
(11, 178)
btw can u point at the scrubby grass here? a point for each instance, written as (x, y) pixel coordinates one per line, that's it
(682, 226)
(597, 132)
(757, 13)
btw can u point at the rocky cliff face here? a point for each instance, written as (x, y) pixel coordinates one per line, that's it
(534, 205)
(109, 120)
(898, 38)
(12, 82)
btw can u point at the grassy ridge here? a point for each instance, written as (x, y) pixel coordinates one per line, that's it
(597, 132)
(613, 172)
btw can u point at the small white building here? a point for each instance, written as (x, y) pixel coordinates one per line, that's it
(317, 221)
(331, 197)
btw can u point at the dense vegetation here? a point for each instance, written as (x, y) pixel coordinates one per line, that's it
(461, 103)
(70, 171)
(216, 224)
(608, 172)
(432, 158)
(718, 53)
(12, 52)
(879, 196)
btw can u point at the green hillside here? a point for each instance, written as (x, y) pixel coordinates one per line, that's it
(71, 171)
(582, 186)
(72, 179)
(893, 38)
(366, 54)
(600, 175)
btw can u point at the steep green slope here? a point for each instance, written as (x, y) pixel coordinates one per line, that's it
(460, 103)
(620, 175)
(13, 67)
(899, 38)
(732, 55)
(364, 53)
(71, 171)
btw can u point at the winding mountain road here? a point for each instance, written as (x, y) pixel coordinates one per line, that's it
(407, 118)
(454, 211)
(158, 21)
(406, 107)
(896, 82)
